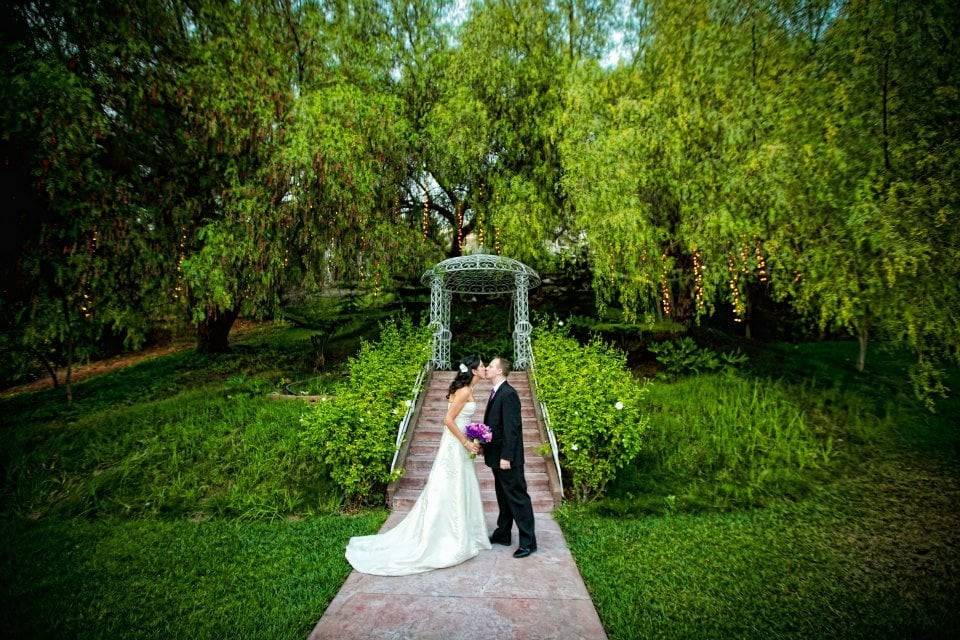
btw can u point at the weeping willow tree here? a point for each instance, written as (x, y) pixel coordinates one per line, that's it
(665, 158)
(193, 159)
(807, 147)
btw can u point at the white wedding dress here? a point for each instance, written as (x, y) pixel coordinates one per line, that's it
(446, 524)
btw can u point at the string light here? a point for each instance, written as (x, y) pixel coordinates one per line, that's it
(738, 308)
(425, 220)
(178, 290)
(460, 224)
(496, 239)
(698, 279)
(761, 262)
(480, 230)
(664, 288)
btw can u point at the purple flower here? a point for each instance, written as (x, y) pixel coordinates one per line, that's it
(477, 431)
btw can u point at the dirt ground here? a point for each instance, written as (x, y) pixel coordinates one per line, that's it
(84, 371)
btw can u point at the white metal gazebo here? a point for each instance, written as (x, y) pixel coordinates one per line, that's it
(480, 274)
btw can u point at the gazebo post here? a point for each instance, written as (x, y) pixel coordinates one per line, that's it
(445, 333)
(522, 349)
(437, 300)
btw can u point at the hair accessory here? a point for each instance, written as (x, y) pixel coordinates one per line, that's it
(463, 368)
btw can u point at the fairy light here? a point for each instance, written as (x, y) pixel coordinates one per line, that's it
(480, 230)
(761, 262)
(496, 239)
(460, 224)
(744, 260)
(664, 288)
(698, 279)
(425, 220)
(738, 309)
(178, 289)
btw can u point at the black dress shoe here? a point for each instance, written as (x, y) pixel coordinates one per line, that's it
(505, 543)
(523, 552)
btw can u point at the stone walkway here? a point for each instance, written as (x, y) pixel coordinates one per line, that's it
(492, 595)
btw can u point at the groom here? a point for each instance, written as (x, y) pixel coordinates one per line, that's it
(504, 455)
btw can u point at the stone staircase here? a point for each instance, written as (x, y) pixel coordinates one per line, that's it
(420, 447)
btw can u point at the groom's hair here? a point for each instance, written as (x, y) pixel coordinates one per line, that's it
(505, 365)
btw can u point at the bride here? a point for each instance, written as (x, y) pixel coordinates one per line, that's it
(446, 524)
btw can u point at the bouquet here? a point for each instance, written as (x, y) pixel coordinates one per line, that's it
(478, 432)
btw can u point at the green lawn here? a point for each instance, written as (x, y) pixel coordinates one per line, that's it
(872, 551)
(172, 499)
(173, 578)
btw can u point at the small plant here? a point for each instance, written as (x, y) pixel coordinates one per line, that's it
(683, 357)
(318, 341)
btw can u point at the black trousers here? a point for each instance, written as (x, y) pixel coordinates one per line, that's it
(515, 505)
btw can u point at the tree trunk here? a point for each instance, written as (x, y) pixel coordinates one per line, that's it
(51, 370)
(68, 380)
(213, 333)
(862, 338)
(455, 245)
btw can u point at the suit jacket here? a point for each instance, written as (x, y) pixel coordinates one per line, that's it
(502, 415)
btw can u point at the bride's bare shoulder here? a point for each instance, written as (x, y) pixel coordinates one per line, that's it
(463, 393)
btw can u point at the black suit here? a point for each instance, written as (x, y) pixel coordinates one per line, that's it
(503, 417)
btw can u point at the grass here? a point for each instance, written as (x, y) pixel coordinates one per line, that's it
(719, 441)
(173, 499)
(172, 578)
(868, 550)
(185, 434)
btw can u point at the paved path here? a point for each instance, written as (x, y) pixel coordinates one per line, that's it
(492, 595)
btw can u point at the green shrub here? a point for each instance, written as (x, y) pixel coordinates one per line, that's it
(595, 407)
(683, 356)
(354, 432)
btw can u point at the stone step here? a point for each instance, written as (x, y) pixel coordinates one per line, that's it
(434, 430)
(404, 499)
(444, 385)
(536, 481)
(431, 415)
(451, 374)
(441, 391)
(430, 448)
(424, 461)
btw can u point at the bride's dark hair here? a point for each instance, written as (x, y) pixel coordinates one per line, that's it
(463, 378)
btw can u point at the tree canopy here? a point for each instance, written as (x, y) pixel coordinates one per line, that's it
(194, 160)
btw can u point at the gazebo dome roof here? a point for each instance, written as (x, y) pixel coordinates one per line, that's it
(480, 273)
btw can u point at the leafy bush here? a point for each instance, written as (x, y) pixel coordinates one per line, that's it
(683, 356)
(595, 406)
(353, 433)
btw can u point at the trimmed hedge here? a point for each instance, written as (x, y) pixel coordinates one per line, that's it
(354, 432)
(595, 406)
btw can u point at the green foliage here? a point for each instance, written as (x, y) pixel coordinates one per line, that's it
(354, 432)
(719, 441)
(596, 407)
(683, 356)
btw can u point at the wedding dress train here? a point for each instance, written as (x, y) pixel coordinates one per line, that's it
(446, 524)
